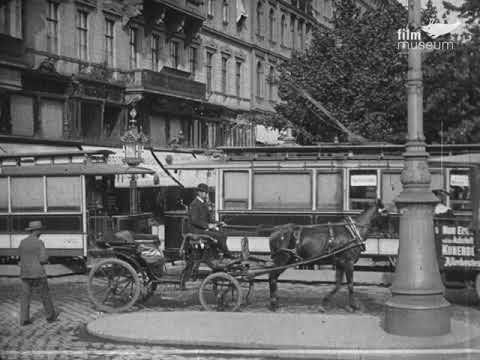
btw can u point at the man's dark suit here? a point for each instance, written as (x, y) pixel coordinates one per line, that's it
(199, 218)
(32, 257)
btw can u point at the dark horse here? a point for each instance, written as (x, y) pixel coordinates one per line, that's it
(290, 243)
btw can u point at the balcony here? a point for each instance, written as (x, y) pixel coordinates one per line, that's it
(13, 49)
(168, 82)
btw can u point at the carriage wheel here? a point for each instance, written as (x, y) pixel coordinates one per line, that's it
(220, 292)
(113, 285)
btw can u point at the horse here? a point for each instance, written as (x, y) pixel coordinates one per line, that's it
(290, 243)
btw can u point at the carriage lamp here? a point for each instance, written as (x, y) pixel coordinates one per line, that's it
(133, 141)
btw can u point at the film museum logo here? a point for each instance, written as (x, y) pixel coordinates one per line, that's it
(427, 38)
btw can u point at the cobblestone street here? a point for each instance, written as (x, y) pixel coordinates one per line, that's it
(67, 337)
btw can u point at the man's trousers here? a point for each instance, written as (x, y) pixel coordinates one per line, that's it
(42, 286)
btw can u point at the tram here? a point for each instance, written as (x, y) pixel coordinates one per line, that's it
(72, 192)
(261, 187)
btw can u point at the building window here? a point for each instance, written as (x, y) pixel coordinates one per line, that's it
(271, 82)
(109, 31)
(292, 31)
(259, 79)
(271, 24)
(52, 27)
(224, 74)
(210, 7)
(193, 58)
(133, 43)
(11, 18)
(300, 35)
(174, 54)
(155, 50)
(225, 11)
(238, 78)
(283, 30)
(259, 18)
(82, 31)
(209, 71)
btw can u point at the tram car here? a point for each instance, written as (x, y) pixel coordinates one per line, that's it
(258, 188)
(73, 193)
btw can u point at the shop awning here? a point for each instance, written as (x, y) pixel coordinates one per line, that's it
(21, 148)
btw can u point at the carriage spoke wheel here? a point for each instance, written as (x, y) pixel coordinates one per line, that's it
(220, 292)
(113, 285)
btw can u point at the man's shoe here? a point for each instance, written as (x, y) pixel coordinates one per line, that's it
(53, 318)
(28, 322)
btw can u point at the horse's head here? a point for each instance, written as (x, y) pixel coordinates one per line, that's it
(283, 235)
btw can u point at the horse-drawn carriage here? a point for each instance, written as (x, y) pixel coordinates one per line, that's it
(130, 270)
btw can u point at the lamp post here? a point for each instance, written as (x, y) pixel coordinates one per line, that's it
(417, 306)
(133, 141)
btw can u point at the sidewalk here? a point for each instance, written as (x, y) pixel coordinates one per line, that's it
(285, 335)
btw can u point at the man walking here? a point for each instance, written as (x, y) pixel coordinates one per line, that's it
(33, 275)
(199, 216)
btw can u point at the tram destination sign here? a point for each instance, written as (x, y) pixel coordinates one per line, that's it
(457, 245)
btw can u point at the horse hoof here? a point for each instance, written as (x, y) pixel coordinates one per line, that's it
(350, 308)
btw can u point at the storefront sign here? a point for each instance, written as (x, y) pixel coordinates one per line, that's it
(363, 180)
(459, 180)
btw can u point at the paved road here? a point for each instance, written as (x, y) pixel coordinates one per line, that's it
(67, 338)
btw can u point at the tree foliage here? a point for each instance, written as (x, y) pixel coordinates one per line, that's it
(357, 72)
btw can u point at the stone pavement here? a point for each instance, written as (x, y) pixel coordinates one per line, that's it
(67, 338)
(294, 333)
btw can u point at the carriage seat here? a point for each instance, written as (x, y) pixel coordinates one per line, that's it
(127, 238)
(198, 238)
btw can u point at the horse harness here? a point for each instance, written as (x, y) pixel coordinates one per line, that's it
(349, 224)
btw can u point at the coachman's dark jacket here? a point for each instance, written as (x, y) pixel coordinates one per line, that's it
(199, 215)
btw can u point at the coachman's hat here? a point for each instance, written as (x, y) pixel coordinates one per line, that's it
(202, 187)
(34, 225)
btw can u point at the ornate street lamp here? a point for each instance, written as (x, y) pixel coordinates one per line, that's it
(417, 306)
(133, 141)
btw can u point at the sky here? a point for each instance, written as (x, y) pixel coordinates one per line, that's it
(439, 5)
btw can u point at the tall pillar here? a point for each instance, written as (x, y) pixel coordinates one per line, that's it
(417, 306)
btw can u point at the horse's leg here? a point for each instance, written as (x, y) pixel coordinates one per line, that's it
(338, 284)
(352, 302)
(272, 281)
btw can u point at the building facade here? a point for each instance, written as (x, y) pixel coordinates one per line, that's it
(197, 72)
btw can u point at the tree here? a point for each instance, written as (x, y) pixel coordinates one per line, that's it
(355, 70)
(453, 82)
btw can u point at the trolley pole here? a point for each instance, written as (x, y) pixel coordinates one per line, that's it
(417, 306)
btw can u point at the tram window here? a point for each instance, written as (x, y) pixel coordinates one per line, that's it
(329, 191)
(27, 194)
(63, 223)
(3, 194)
(4, 224)
(363, 188)
(64, 193)
(282, 191)
(235, 190)
(391, 188)
(460, 190)
(20, 222)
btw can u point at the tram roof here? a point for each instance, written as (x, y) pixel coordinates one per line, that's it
(72, 169)
(57, 153)
(467, 160)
